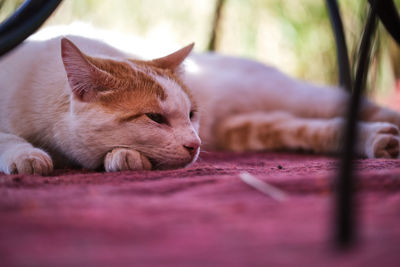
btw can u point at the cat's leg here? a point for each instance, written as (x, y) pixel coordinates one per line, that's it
(122, 159)
(376, 113)
(278, 130)
(17, 156)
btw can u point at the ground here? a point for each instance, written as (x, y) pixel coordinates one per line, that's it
(203, 215)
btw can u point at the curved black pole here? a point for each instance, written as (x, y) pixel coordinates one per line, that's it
(345, 217)
(25, 21)
(387, 12)
(345, 208)
(345, 79)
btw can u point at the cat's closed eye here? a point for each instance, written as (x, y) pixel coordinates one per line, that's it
(157, 117)
(191, 114)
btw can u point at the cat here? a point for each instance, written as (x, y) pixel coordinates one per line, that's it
(75, 101)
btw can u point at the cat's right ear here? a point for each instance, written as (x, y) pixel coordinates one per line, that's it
(174, 60)
(83, 77)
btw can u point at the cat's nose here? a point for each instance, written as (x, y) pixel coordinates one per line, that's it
(192, 147)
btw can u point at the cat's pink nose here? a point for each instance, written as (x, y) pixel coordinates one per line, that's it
(192, 147)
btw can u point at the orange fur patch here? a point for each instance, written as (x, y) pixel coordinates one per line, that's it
(168, 73)
(134, 92)
(129, 79)
(270, 136)
(236, 138)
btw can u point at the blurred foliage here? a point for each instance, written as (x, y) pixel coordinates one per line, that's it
(293, 35)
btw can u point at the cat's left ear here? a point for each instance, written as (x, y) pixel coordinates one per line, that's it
(87, 81)
(174, 60)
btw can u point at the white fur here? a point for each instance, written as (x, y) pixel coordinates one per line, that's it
(36, 105)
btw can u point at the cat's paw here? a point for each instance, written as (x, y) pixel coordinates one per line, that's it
(122, 159)
(28, 161)
(383, 141)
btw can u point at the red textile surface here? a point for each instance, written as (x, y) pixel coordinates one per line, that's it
(203, 215)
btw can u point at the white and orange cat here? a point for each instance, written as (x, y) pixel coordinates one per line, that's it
(74, 101)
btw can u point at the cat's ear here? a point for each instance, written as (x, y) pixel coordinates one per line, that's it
(174, 60)
(84, 78)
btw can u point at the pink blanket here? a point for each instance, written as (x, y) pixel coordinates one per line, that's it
(203, 215)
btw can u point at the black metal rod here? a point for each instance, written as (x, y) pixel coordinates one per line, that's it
(345, 79)
(387, 13)
(25, 20)
(345, 187)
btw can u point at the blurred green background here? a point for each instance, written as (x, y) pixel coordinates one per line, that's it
(293, 35)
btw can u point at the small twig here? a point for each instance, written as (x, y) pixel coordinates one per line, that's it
(263, 187)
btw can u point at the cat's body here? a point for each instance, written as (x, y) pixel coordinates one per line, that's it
(100, 108)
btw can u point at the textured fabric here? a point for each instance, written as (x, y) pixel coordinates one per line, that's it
(203, 215)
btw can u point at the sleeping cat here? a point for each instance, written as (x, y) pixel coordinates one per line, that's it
(76, 101)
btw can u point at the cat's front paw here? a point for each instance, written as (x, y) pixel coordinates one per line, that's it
(383, 142)
(122, 159)
(28, 161)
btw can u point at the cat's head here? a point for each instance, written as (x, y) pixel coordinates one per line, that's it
(142, 105)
